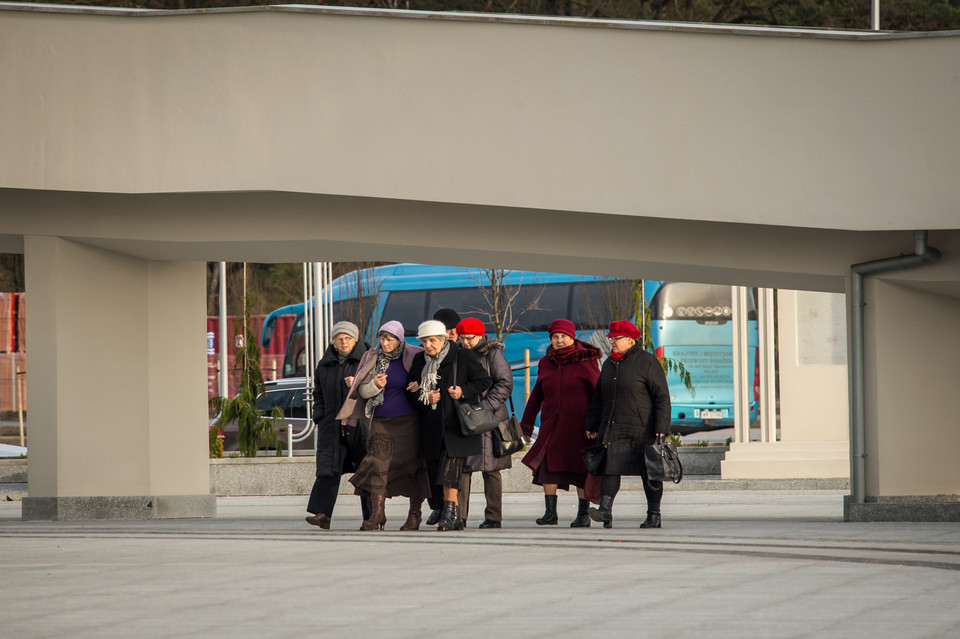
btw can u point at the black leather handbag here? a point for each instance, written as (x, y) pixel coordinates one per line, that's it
(475, 419)
(663, 462)
(507, 437)
(595, 457)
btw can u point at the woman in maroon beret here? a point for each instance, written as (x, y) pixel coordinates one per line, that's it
(565, 382)
(630, 406)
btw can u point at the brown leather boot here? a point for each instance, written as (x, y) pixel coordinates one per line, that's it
(414, 517)
(378, 518)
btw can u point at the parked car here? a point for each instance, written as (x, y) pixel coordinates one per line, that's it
(10, 450)
(290, 395)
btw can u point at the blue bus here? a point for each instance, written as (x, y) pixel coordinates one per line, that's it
(411, 293)
(691, 323)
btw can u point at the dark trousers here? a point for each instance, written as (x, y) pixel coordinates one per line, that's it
(323, 497)
(492, 492)
(610, 485)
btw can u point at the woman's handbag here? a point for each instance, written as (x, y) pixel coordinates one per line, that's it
(474, 419)
(595, 457)
(507, 437)
(663, 462)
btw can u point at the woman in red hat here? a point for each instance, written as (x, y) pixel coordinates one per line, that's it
(630, 406)
(472, 336)
(565, 382)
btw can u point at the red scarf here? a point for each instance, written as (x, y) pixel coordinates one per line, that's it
(616, 356)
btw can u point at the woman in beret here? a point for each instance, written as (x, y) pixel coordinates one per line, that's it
(630, 407)
(566, 378)
(472, 336)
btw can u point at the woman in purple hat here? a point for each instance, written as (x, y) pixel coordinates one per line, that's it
(393, 464)
(565, 381)
(630, 406)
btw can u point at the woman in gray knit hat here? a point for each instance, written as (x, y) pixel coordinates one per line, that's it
(340, 447)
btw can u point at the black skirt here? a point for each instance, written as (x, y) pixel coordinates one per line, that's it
(449, 471)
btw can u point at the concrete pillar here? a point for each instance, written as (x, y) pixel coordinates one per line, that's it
(911, 350)
(814, 415)
(117, 388)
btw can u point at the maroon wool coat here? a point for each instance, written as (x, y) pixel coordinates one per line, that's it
(565, 383)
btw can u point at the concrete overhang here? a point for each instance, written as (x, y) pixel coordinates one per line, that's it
(711, 152)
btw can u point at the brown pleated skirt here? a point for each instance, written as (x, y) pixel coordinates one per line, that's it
(393, 465)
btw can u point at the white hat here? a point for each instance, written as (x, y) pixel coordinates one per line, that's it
(431, 327)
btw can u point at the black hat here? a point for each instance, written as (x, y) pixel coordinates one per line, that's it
(448, 316)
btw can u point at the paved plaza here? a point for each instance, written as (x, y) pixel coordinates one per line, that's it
(735, 563)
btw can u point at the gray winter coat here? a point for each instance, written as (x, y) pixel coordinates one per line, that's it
(490, 353)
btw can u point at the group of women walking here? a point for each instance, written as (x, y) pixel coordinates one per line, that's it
(388, 414)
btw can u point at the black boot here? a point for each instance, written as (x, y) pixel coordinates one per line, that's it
(459, 523)
(583, 519)
(449, 518)
(434, 517)
(604, 513)
(652, 520)
(550, 514)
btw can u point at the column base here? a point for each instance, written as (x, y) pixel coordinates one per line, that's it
(140, 507)
(913, 508)
(786, 460)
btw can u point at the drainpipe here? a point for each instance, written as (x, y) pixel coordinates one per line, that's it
(922, 254)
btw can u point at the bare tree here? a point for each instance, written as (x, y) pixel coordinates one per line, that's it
(361, 299)
(506, 303)
(609, 300)
(11, 273)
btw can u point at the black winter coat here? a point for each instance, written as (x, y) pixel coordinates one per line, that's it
(440, 428)
(329, 391)
(630, 405)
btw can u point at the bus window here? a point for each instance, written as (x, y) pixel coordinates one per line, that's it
(406, 307)
(358, 310)
(467, 301)
(294, 359)
(593, 305)
(554, 303)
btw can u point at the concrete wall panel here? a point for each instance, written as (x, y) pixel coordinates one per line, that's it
(116, 373)
(700, 124)
(912, 346)
(813, 384)
(178, 448)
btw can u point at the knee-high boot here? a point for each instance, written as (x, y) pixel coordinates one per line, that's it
(378, 517)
